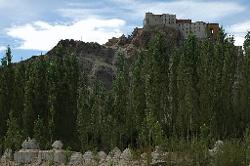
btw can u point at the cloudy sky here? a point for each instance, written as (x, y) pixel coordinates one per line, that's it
(34, 26)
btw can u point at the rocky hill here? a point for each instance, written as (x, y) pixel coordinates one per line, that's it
(99, 60)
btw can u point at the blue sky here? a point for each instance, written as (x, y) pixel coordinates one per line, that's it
(34, 26)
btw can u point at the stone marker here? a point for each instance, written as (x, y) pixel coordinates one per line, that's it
(126, 158)
(101, 156)
(76, 159)
(126, 154)
(57, 145)
(28, 153)
(30, 144)
(59, 156)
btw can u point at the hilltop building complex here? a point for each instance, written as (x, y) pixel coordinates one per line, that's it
(185, 26)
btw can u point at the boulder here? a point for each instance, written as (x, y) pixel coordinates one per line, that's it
(58, 145)
(30, 144)
(76, 159)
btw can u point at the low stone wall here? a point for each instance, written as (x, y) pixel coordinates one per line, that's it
(116, 157)
(30, 157)
(25, 156)
(59, 157)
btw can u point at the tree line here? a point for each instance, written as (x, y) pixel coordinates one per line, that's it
(200, 90)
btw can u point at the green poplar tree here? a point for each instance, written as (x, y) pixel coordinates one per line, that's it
(6, 92)
(137, 98)
(188, 90)
(151, 133)
(13, 138)
(83, 114)
(157, 80)
(120, 92)
(173, 92)
(41, 134)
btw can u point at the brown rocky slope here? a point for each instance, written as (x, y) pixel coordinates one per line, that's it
(100, 60)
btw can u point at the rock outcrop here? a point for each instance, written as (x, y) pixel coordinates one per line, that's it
(141, 37)
(99, 61)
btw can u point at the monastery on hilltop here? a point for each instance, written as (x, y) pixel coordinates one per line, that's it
(185, 26)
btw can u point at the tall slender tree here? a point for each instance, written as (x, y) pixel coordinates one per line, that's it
(120, 91)
(6, 92)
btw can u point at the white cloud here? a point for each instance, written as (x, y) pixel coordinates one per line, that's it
(241, 27)
(2, 48)
(239, 31)
(90, 25)
(43, 36)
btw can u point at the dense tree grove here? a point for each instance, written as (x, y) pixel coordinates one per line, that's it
(200, 90)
